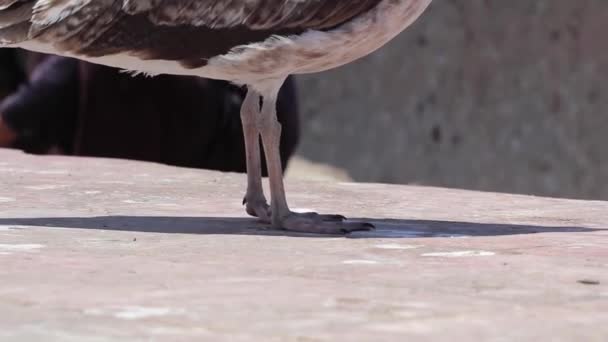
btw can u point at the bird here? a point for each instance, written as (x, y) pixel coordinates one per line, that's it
(255, 44)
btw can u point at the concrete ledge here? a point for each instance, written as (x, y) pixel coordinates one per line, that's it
(94, 249)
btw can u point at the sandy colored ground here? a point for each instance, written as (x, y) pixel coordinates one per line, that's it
(109, 250)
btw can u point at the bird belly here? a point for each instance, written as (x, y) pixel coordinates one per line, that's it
(315, 51)
(127, 62)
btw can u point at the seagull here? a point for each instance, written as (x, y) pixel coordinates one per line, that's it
(252, 43)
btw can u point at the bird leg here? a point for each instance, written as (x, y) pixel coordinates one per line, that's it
(281, 216)
(255, 201)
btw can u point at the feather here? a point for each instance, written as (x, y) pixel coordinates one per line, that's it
(49, 12)
(14, 34)
(257, 14)
(16, 14)
(4, 4)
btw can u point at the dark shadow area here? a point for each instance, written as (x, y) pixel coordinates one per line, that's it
(385, 228)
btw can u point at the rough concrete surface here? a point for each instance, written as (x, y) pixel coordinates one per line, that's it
(110, 250)
(478, 94)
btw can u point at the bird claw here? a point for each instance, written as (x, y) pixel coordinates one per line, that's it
(258, 208)
(321, 224)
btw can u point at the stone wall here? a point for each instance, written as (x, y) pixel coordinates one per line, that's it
(481, 94)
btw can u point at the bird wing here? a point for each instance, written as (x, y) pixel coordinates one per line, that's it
(25, 19)
(188, 31)
(32, 17)
(252, 14)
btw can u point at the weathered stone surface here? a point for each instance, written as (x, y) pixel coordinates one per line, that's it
(104, 250)
(493, 95)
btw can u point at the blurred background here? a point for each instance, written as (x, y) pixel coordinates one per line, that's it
(495, 95)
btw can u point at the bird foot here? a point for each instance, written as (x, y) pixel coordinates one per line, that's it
(321, 224)
(258, 207)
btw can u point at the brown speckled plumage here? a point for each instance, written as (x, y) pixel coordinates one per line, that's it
(187, 31)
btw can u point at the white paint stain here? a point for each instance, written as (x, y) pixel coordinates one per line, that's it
(7, 199)
(360, 262)
(459, 254)
(580, 245)
(24, 247)
(92, 192)
(139, 312)
(396, 246)
(302, 210)
(133, 202)
(135, 312)
(52, 172)
(45, 187)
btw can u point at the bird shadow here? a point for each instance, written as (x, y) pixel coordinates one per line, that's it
(385, 228)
